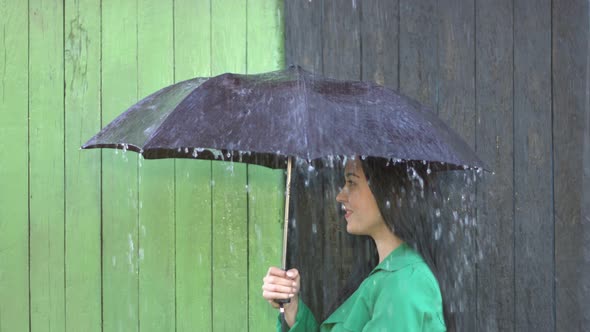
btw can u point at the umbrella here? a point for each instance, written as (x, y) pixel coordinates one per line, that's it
(266, 118)
(270, 118)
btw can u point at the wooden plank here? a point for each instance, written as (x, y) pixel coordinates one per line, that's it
(265, 52)
(192, 57)
(341, 48)
(157, 288)
(571, 32)
(265, 34)
(456, 106)
(418, 48)
(303, 34)
(266, 188)
(534, 228)
(379, 27)
(82, 168)
(46, 110)
(119, 173)
(494, 141)
(14, 215)
(303, 45)
(229, 199)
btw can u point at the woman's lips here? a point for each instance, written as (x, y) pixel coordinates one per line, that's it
(348, 213)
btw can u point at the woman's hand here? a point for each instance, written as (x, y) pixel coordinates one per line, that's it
(279, 284)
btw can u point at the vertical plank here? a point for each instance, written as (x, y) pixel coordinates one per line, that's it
(192, 57)
(265, 52)
(303, 45)
(265, 214)
(230, 230)
(119, 172)
(379, 28)
(341, 51)
(14, 237)
(533, 199)
(418, 48)
(456, 106)
(265, 36)
(571, 32)
(494, 137)
(341, 48)
(46, 111)
(82, 186)
(303, 34)
(156, 177)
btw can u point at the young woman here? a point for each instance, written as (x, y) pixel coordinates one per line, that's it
(400, 293)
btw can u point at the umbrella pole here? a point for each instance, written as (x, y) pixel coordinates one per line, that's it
(286, 223)
(284, 326)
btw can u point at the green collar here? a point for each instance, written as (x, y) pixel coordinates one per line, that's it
(399, 258)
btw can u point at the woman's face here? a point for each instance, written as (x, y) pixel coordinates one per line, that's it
(362, 214)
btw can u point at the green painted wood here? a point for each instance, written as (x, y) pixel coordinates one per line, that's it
(533, 197)
(265, 38)
(156, 177)
(193, 245)
(230, 246)
(230, 227)
(119, 171)
(46, 110)
(570, 73)
(82, 170)
(192, 57)
(266, 198)
(14, 226)
(494, 141)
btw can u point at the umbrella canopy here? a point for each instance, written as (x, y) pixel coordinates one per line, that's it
(265, 118)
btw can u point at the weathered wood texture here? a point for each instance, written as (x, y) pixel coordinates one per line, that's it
(571, 157)
(103, 240)
(513, 78)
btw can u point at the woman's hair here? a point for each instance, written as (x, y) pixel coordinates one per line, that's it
(406, 196)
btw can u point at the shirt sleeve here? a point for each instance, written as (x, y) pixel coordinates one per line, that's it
(412, 304)
(304, 320)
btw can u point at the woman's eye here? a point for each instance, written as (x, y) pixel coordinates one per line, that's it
(350, 182)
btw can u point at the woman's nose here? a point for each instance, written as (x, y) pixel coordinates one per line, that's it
(341, 197)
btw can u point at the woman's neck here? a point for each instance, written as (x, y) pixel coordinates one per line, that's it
(386, 242)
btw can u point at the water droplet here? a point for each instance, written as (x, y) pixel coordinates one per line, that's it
(437, 212)
(388, 204)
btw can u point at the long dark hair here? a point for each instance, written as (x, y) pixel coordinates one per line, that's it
(406, 195)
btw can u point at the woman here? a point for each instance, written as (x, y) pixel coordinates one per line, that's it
(400, 293)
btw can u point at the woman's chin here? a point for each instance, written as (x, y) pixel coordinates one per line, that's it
(351, 230)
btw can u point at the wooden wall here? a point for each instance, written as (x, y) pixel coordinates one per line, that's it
(105, 241)
(512, 77)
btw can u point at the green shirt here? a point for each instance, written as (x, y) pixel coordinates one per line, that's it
(400, 294)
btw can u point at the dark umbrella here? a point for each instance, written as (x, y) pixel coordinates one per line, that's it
(265, 118)
(269, 118)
